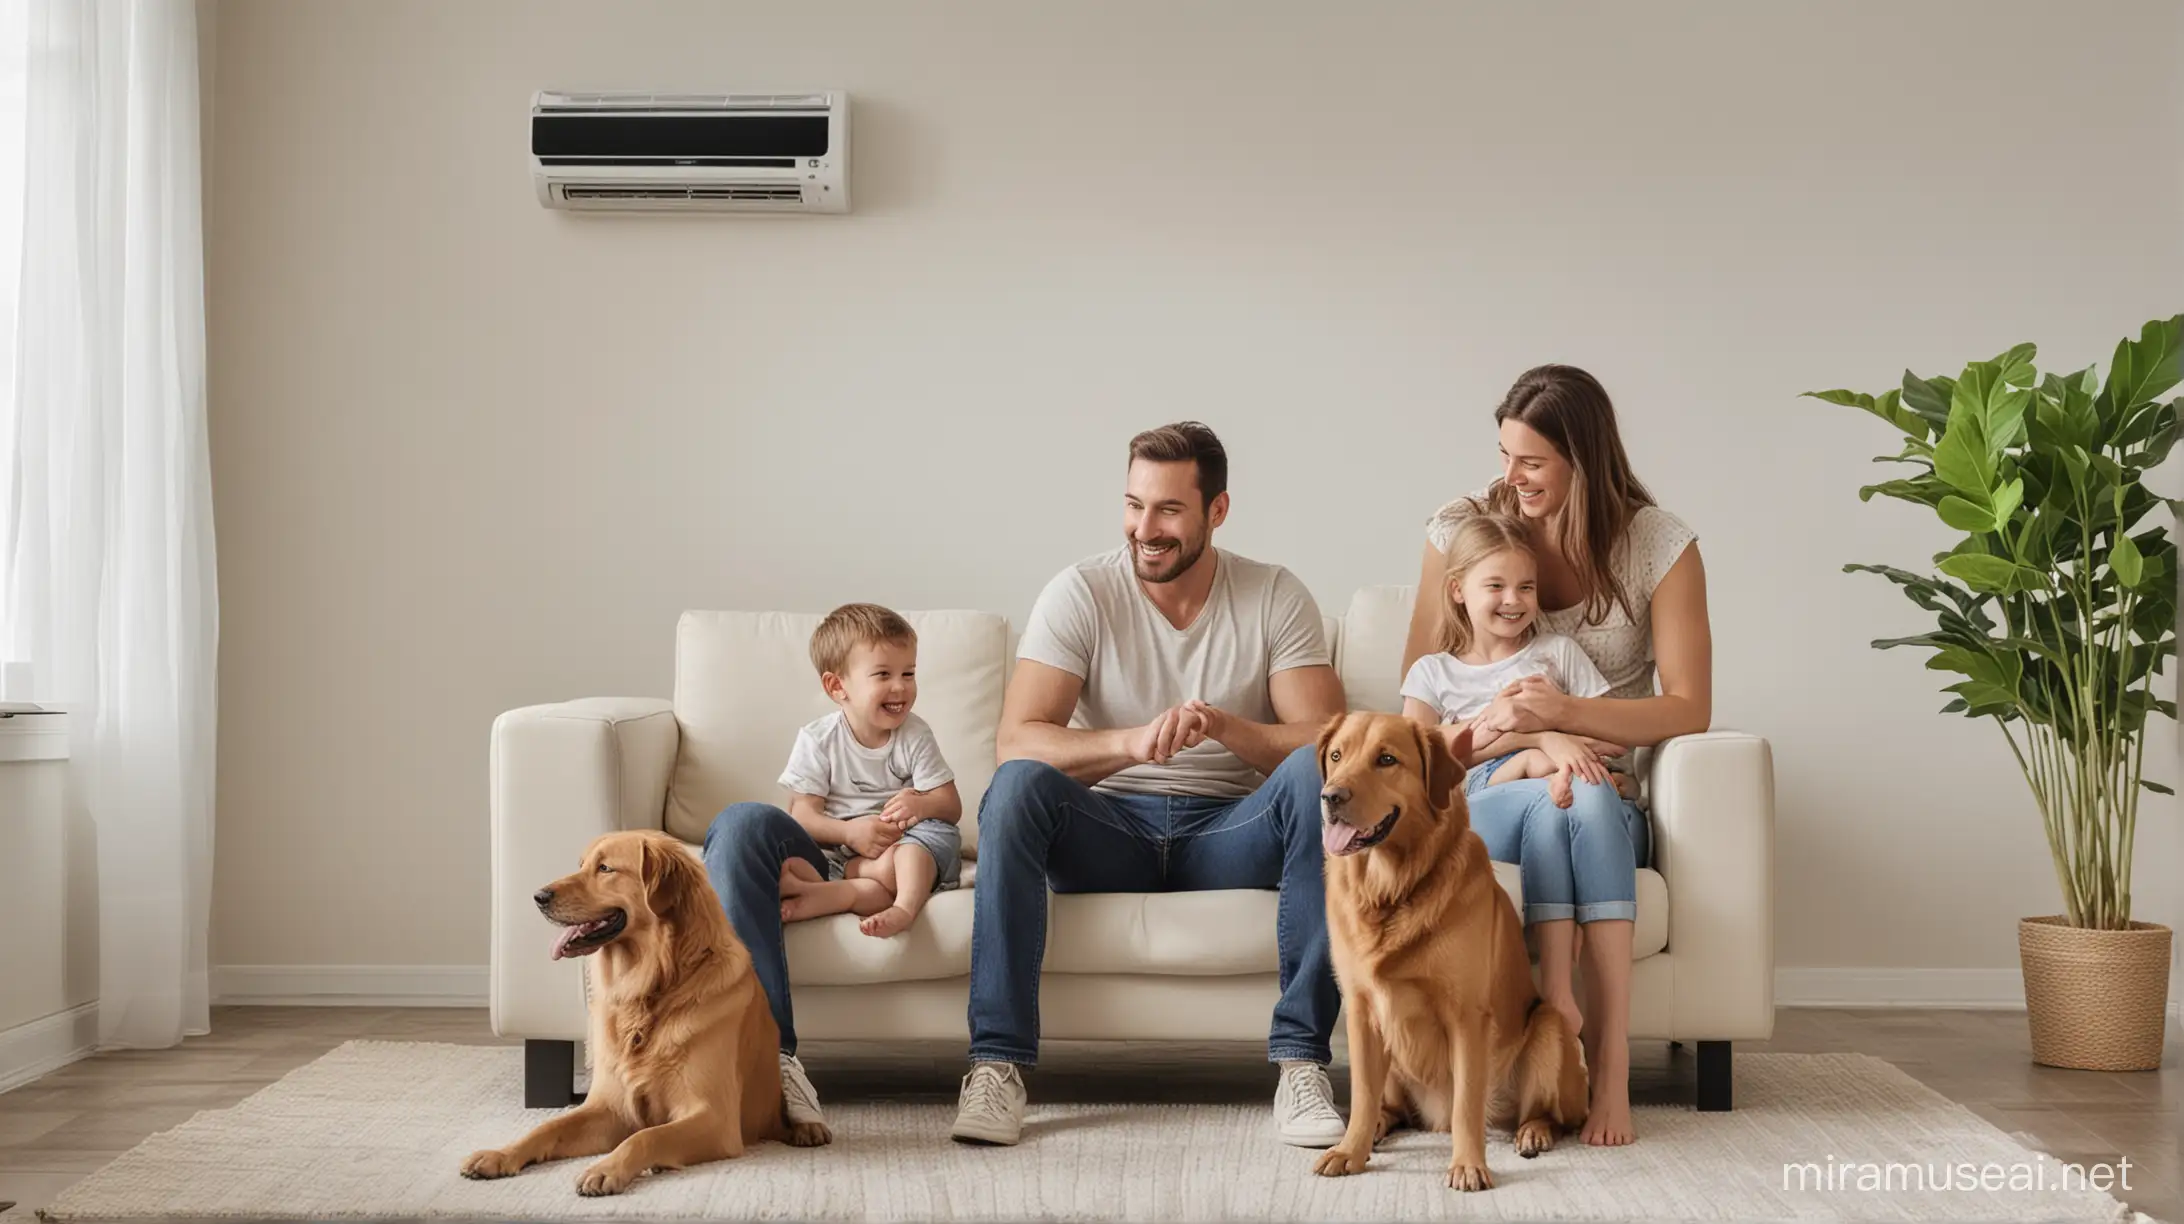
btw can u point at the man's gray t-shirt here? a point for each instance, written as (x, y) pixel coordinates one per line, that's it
(1094, 621)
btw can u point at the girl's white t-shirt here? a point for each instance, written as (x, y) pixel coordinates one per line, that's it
(1458, 690)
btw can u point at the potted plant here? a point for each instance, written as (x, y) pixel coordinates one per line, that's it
(2055, 612)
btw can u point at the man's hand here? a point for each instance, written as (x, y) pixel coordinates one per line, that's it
(904, 808)
(1177, 728)
(1215, 719)
(869, 836)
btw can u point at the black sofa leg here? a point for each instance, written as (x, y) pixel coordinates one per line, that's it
(549, 1074)
(1715, 1078)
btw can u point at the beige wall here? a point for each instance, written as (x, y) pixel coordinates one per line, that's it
(471, 454)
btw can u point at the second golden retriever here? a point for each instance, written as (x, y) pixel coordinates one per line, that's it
(1446, 1028)
(684, 1050)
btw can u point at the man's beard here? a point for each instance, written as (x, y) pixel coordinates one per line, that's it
(1179, 559)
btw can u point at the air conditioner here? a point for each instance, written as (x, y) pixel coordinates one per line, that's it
(691, 152)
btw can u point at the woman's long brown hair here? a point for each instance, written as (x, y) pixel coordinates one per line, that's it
(1570, 409)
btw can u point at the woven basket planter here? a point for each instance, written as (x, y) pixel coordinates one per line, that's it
(2096, 1000)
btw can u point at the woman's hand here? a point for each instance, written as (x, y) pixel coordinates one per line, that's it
(1530, 704)
(1575, 754)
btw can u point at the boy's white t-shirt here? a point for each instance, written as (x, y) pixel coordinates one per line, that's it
(858, 781)
(1460, 690)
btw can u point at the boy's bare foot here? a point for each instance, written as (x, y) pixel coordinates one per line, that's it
(1558, 789)
(890, 921)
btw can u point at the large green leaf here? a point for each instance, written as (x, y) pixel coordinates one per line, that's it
(1962, 457)
(1965, 516)
(1925, 490)
(1888, 406)
(2016, 365)
(2145, 367)
(2006, 501)
(1929, 398)
(1981, 573)
(2125, 559)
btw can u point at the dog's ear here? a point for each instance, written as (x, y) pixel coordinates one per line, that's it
(1444, 770)
(671, 877)
(1327, 739)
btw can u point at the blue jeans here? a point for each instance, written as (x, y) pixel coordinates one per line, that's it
(745, 848)
(1037, 828)
(1577, 862)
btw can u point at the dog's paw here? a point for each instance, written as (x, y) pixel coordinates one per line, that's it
(809, 1134)
(1468, 1177)
(1534, 1137)
(606, 1177)
(489, 1164)
(1334, 1162)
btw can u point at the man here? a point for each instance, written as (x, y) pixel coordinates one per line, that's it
(1156, 737)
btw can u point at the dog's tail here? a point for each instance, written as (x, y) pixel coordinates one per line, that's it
(1552, 1078)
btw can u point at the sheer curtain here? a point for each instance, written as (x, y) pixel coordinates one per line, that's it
(106, 548)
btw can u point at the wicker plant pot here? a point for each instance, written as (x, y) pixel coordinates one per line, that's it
(2096, 1000)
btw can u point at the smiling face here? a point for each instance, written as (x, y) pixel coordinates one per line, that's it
(1499, 594)
(1166, 518)
(876, 687)
(1387, 782)
(1539, 473)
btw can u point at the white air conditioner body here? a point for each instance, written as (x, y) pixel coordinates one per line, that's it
(691, 152)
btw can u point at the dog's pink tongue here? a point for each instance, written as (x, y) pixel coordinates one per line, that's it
(1339, 835)
(568, 936)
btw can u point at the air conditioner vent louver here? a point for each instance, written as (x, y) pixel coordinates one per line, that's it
(665, 191)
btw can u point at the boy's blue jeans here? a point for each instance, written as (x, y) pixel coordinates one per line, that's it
(1037, 828)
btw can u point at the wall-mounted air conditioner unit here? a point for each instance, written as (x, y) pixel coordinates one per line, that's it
(724, 152)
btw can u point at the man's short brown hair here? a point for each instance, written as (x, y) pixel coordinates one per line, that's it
(853, 625)
(1188, 441)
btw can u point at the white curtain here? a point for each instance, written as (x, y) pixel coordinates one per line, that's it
(106, 547)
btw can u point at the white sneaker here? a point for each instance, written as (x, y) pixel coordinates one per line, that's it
(1304, 1107)
(992, 1108)
(798, 1099)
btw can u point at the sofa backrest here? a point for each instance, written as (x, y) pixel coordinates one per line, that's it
(1371, 660)
(744, 684)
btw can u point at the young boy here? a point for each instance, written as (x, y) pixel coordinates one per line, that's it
(868, 782)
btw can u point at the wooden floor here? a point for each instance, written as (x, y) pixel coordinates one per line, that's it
(59, 1128)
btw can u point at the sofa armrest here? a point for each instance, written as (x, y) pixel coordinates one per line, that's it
(1713, 841)
(562, 774)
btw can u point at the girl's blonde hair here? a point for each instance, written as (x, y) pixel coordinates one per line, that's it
(1478, 535)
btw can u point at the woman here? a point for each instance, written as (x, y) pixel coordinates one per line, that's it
(1623, 577)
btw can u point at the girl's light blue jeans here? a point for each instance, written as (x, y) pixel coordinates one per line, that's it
(1576, 862)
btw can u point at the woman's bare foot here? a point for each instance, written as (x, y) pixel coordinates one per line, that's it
(1607, 1122)
(890, 921)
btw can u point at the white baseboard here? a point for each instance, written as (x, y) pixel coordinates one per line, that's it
(28, 1051)
(1986, 989)
(350, 985)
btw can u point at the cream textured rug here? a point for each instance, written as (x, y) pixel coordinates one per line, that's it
(375, 1130)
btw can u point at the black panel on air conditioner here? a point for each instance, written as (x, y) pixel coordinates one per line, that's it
(677, 137)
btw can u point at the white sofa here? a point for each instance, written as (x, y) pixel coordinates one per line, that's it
(1123, 966)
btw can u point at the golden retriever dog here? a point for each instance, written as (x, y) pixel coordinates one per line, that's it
(684, 1050)
(1446, 1029)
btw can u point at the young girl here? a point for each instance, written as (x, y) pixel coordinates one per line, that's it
(1489, 641)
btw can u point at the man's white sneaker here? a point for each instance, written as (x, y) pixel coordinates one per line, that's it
(992, 1107)
(1304, 1107)
(800, 1103)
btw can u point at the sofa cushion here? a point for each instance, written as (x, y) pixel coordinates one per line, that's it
(1193, 934)
(744, 684)
(1373, 632)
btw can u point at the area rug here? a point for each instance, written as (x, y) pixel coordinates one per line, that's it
(375, 1130)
